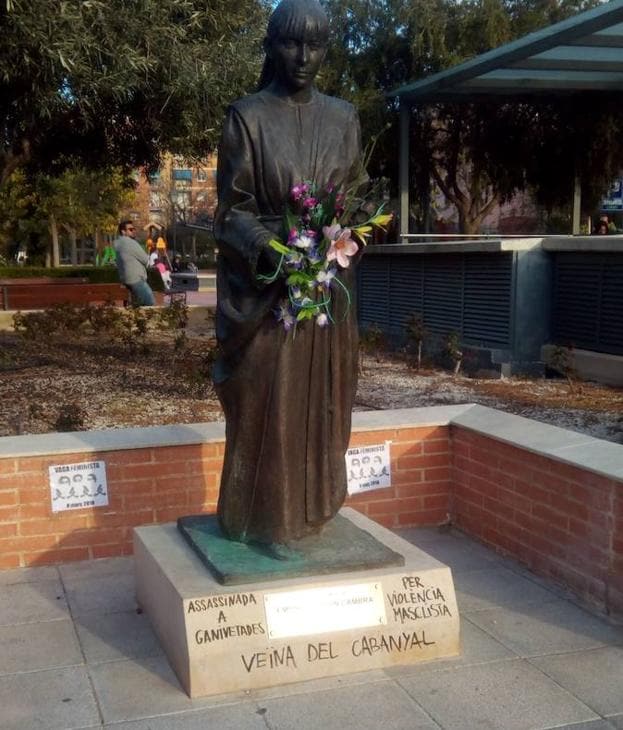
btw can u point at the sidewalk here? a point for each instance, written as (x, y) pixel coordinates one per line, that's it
(75, 654)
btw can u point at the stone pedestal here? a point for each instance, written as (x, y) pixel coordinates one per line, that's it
(225, 638)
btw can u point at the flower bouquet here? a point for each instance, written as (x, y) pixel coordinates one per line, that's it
(319, 245)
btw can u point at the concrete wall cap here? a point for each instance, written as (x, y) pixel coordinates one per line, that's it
(560, 444)
(122, 439)
(563, 445)
(579, 244)
(448, 245)
(118, 439)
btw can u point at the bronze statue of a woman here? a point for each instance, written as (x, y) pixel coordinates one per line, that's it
(287, 400)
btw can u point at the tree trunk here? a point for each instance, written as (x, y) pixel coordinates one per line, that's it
(466, 225)
(73, 243)
(99, 246)
(469, 222)
(56, 257)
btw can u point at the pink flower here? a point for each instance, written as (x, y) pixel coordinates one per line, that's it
(342, 245)
(310, 202)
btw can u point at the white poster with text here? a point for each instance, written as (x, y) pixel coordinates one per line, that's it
(76, 486)
(368, 467)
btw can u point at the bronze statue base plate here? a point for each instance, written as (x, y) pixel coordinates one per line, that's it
(341, 547)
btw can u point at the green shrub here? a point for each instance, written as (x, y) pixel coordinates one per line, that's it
(95, 275)
(416, 333)
(175, 316)
(45, 324)
(70, 417)
(452, 348)
(372, 341)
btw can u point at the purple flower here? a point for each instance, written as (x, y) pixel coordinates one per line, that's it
(298, 191)
(294, 260)
(325, 277)
(322, 320)
(303, 241)
(285, 316)
(313, 256)
(339, 204)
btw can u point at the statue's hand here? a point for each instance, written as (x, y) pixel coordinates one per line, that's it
(268, 264)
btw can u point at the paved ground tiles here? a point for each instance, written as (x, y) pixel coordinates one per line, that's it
(75, 654)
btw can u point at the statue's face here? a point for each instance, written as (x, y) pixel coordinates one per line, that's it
(297, 60)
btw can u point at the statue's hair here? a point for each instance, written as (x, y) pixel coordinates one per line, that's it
(293, 19)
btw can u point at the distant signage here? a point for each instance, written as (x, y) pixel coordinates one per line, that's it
(77, 486)
(614, 200)
(368, 467)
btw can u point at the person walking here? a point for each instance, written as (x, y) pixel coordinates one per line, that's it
(132, 262)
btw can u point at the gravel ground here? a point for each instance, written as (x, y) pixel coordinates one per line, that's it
(83, 385)
(585, 407)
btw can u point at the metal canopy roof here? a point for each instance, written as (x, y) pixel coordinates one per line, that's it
(582, 53)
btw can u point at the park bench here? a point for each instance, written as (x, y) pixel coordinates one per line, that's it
(22, 294)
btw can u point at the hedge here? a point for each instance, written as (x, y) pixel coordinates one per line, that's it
(95, 275)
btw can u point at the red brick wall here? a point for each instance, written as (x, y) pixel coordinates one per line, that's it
(616, 578)
(159, 484)
(561, 521)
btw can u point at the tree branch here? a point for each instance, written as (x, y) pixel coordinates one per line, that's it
(10, 161)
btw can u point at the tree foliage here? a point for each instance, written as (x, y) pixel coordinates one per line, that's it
(117, 82)
(477, 154)
(21, 223)
(80, 202)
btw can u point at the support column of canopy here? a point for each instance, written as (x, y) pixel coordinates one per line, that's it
(577, 205)
(405, 114)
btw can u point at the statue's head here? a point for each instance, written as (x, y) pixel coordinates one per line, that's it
(295, 44)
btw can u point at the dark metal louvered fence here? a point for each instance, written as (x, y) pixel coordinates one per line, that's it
(588, 301)
(466, 293)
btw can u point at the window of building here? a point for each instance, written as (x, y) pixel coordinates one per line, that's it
(182, 174)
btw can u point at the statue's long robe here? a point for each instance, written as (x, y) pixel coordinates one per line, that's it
(287, 397)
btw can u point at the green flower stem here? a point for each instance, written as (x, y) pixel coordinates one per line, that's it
(272, 277)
